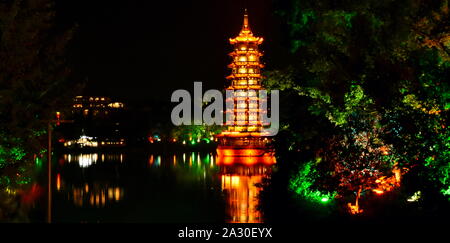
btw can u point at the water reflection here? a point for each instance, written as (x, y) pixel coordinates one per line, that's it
(96, 195)
(171, 187)
(241, 178)
(86, 160)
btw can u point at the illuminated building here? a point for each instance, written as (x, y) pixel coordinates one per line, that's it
(99, 117)
(244, 136)
(91, 142)
(95, 105)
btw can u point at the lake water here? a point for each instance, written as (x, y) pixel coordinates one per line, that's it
(151, 187)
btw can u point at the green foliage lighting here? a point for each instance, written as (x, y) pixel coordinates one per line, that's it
(303, 182)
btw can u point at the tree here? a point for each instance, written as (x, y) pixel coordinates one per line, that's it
(356, 159)
(376, 71)
(34, 82)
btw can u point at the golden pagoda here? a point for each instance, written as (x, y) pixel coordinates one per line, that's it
(243, 136)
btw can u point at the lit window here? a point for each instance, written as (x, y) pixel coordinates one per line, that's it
(241, 105)
(242, 82)
(251, 93)
(241, 94)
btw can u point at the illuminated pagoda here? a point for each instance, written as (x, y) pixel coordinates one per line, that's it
(244, 135)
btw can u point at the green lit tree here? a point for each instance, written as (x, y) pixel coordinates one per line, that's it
(353, 160)
(375, 68)
(417, 124)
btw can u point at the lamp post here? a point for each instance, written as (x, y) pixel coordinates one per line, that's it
(58, 121)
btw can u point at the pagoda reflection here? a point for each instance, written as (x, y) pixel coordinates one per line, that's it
(241, 178)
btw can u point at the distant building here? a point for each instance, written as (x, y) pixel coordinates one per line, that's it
(95, 105)
(98, 122)
(93, 142)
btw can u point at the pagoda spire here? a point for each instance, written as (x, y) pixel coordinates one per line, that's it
(245, 26)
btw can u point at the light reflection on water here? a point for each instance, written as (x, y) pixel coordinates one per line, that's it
(96, 180)
(240, 184)
(86, 160)
(96, 195)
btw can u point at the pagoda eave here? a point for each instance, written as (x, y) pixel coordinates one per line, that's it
(247, 64)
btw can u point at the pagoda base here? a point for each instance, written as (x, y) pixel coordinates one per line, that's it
(240, 159)
(244, 147)
(243, 151)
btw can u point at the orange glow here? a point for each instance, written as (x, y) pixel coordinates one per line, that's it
(386, 184)
(354, 209)
(224, 152)
(58, 181)
(117, 194)
(244, 156)
(240, 186)
(377, 191)
(242, 198)
(151, 160)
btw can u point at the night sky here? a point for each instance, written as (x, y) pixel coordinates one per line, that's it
(143, 50)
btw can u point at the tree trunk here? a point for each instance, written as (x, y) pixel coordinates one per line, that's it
(358, 194)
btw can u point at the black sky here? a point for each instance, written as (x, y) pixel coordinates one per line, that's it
(140, 50)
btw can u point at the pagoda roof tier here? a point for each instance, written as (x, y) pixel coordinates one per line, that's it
(247, 86)
(240, 52)
(247, 64)
(247, 38)
(243, 134)
(244, 75)
(246, 34)
(244, 98)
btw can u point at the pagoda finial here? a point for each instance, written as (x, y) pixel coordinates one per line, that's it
(245, 27)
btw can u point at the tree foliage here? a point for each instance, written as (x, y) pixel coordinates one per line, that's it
(33, 82)
(378, 72)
